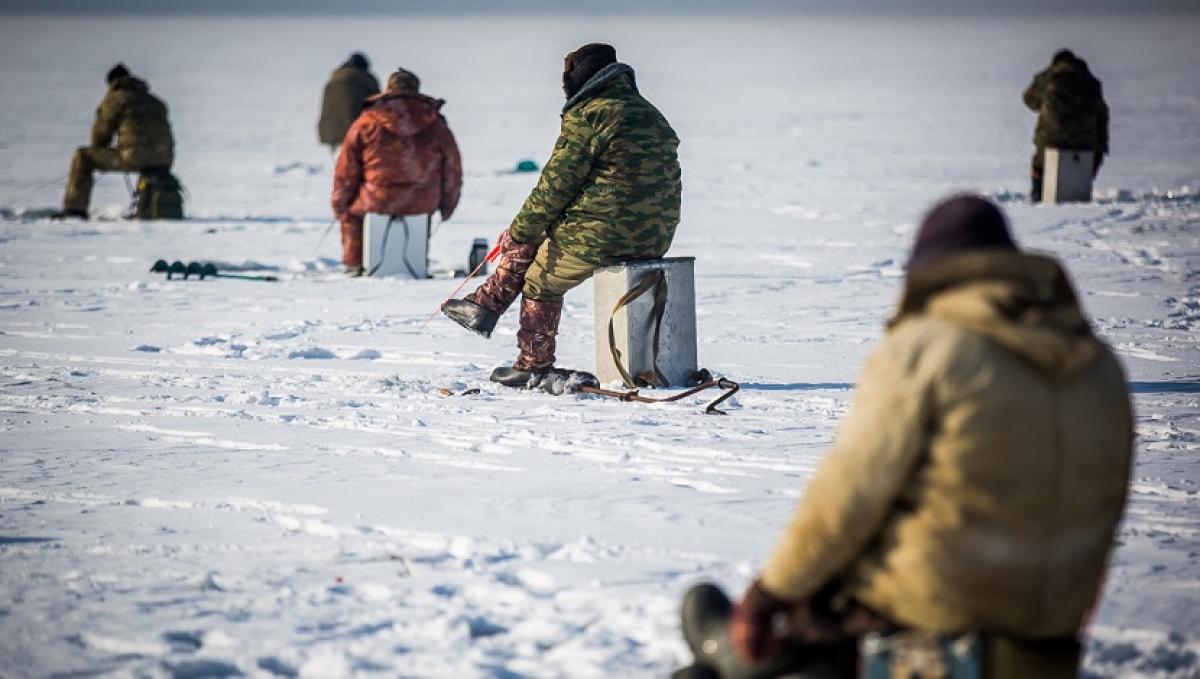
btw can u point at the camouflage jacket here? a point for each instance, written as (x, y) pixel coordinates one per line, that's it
(347, 89)
(611, 189)
(139, 121)
(1070, 105)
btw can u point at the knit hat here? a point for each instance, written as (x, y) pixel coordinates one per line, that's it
(579, 66)
(403, 81)
(359, 60)
(958, 224)
(115, 73)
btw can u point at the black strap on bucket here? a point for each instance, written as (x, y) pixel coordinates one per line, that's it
(657, 279)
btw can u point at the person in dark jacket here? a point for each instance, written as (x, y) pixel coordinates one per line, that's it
(399, 158)
(347, 89)
(144, 142)
(1072, 114)
(611, 191)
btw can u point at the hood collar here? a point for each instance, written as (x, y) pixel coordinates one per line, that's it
(599, 81)
(1023, 302)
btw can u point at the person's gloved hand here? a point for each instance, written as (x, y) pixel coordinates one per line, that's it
(751, 628)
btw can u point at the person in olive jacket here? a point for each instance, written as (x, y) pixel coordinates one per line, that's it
(347, 89)
(144, 141)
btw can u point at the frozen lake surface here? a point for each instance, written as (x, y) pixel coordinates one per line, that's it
(226, 477)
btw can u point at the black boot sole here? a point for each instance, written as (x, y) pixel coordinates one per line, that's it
(511, 377)
(471, 316)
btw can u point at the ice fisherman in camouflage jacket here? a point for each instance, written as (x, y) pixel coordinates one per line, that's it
(609, 193)
(1072, 114)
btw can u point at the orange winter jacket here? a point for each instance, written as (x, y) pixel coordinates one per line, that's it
(398, 158)
(979, 477)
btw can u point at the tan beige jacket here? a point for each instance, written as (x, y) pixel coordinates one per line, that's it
(979, 477)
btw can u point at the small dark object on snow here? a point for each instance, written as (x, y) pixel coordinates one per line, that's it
(559, 381)
(479, 253)
(201, 271)
(472, 316)
(159, 195)
(448, 392)
(69, 214)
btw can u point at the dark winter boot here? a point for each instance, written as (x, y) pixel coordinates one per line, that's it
(535, 339)
(471, 316)
(1035, 190)
(705, 622)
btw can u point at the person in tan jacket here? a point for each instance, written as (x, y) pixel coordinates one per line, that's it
(975, 485)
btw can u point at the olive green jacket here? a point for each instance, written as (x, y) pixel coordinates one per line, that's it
(138, 119)
(611, 189)
(342, 101)
(979, 477)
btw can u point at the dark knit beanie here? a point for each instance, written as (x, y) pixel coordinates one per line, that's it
(115, 73)
(359, 60)
(403, 81)
(585, 62)
(958, 224)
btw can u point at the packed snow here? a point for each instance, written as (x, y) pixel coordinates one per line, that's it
(231, 477)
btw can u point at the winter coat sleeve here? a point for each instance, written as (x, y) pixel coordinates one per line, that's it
(846, 502)
(348, 173)
(108, 116)
(451, 171)
(561, 180)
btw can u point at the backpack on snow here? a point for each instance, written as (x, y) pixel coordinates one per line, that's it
(159, 195)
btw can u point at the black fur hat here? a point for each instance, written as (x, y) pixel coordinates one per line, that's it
(116, 72)
(584, 63)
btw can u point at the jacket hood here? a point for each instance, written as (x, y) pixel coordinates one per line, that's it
(1075, 74)
(601, 81)
(1023, 302)
(403, 114)
(130, 83)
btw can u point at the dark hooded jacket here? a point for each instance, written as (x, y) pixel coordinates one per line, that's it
(1069, 102)
(347, 89)
(398, 158)
(979, 477)
(138, 119)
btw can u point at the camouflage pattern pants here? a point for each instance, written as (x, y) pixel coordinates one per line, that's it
(542, 275)
(554, 272)
(352, 240)
(87, 160)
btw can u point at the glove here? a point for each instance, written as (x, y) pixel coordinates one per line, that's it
(751, 628)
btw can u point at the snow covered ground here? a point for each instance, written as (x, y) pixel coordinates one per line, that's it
(224, 477)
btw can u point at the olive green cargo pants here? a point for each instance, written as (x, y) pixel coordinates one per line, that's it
(554, 272)
(89, 159)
